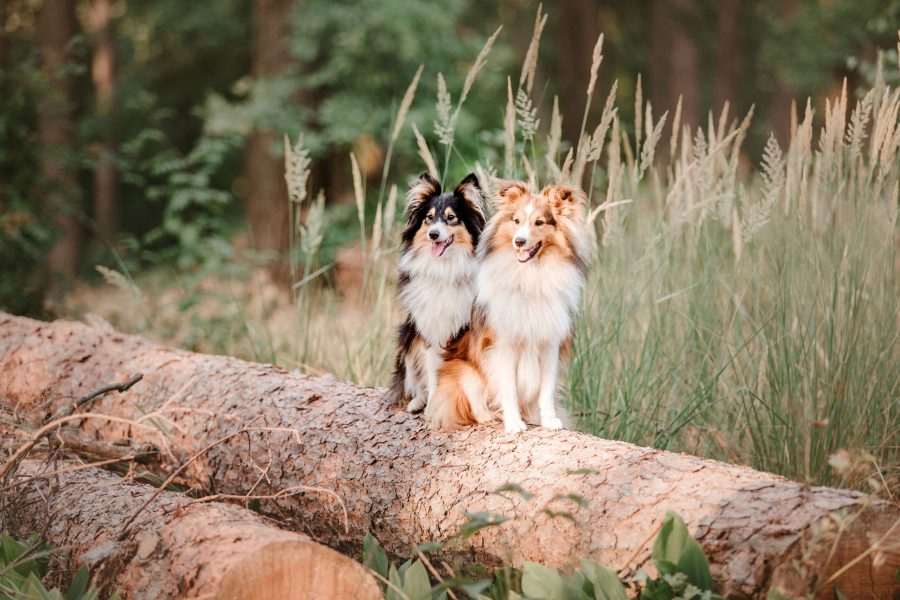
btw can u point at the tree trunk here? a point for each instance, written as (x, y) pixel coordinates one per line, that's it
(576, 29)
(785, 94)
(674, 62)
(56, 26)
(103, 68)
(174, 548)
(4, 37)
(728, 53)
(266, 190)
(409, 485)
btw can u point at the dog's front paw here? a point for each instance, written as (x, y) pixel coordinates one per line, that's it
(551, 423)
(514, 425)
(416, 405)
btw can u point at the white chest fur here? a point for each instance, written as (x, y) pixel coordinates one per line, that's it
(531, 302)
(440, 292)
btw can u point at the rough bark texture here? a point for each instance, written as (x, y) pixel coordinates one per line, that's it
(266, 190)
(175, 549)
(56, 25)
(409, 485)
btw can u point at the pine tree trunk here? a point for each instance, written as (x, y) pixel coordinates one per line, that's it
(728, 53)
(576, 29)
(103, 69)
(266, 191)
(56, 27)
(409, 485)
(174, 548)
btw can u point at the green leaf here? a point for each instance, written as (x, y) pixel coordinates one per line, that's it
(514, 487)
(605, 582)
(676, 551)
(542, 583)
(373, 556)
(478, 521)
(694, 564)
(428, 547)
(391, 592)
(416, 584)
(839, 595)
(79, 584)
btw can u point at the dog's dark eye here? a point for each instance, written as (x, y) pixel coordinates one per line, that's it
(451, 218)
(539, 222)
(428, 218)
(516, 220)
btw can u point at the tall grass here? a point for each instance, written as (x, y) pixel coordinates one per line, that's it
(746, 315)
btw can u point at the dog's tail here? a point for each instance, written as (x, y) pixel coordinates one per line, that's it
(461, 397)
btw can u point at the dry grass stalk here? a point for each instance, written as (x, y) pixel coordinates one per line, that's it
(529, 65)
(425, 153)
(509, 132)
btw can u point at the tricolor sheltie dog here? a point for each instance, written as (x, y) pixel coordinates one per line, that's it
(436, 281)
(533, 259)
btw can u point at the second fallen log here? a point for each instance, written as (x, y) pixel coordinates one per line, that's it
(175, 548)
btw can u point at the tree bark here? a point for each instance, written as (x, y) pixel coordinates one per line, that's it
(576, 29)
(266, 190)
(674, 59)
(728, 53)
(409, 485)
(103, 69)
(175, 548)
(56, 26)
(785, 95)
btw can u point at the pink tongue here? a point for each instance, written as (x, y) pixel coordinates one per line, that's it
(437, 248)
(523, 255)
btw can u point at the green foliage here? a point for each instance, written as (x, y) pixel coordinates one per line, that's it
(682, 566)
(26, 233)
(23, 564)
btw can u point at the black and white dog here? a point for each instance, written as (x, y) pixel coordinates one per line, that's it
(436, 287)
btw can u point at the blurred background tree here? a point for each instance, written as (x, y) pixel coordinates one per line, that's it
(149, 133)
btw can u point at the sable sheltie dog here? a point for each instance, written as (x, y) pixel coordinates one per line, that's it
(437, 281)
(533, 258)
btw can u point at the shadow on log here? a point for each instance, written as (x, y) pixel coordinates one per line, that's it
(409, 485)
(176, 548)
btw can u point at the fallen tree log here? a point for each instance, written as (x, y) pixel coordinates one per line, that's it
(409, 485)
(177, 548)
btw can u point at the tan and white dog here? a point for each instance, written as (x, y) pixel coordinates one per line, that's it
(533, 255)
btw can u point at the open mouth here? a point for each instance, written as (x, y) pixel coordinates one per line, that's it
(526, 254)
(438, 248)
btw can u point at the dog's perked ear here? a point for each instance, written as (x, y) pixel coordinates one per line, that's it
(421, 190)
(509, 192)
(469, 191)
(565, 201)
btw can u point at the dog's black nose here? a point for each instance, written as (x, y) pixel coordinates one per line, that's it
(519, 242)
(433, 235)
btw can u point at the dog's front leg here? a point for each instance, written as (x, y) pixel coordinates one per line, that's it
(502, 374)
(549, 373)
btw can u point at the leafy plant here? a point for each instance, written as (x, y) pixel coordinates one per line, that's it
(24, 564)
(682, 566)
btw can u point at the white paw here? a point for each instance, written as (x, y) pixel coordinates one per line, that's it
(416, 405)
(551, 423)
(514, 425)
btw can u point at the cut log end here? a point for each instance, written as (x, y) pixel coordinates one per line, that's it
(299, 570)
